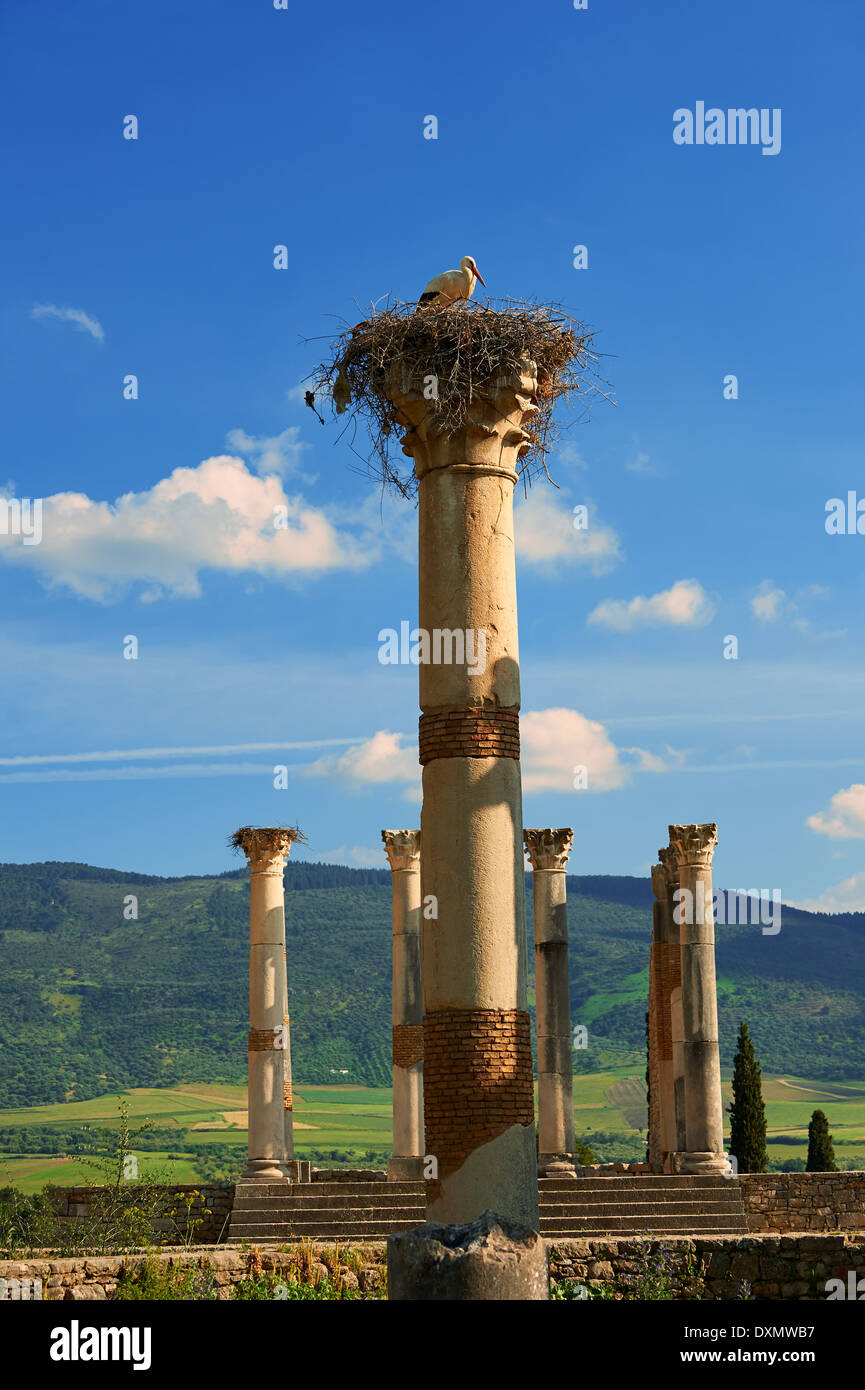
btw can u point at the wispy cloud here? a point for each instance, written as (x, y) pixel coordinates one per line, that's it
(685, 604)
(85, 322)
(641, 463)
(279, 453)
(545, 536)
(846, 896)
(200, 750)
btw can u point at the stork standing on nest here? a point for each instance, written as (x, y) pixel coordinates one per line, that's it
(452, 285)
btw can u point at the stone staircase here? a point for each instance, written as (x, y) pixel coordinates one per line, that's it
(624, 1205)
(632, 1205)
(278, 1212)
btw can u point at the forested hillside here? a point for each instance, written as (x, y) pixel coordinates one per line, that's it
(91, 1001)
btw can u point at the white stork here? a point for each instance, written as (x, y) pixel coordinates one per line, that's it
(445, 289)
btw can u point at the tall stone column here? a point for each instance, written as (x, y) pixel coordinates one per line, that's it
(665, 977)
(694, 846)
(267, 850)
(674, 983)
(402, 848)
(478, 1089)
(548, 852)
(287, 1092)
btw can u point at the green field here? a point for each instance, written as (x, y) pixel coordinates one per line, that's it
(355, 1120)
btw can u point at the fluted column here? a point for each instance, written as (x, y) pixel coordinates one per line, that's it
(694, 846)
(665, 977)
(402, 848)
(478, 1089)
(548, 852)
(267, 850)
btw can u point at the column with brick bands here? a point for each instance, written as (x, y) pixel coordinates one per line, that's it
(670, 866)
(479, 1123)
(402, 848)
(665, 976)
(267, 850)
(694, 846)
(548, 852)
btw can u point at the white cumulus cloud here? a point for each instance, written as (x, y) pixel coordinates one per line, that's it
(217, 515)
(844, 819)
(685, 604)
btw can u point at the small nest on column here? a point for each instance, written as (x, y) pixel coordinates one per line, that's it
(461, 347)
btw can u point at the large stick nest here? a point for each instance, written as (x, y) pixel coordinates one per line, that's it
(252, 838)
(462, 346)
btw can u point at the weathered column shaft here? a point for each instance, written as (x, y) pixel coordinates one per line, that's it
(266, 850)
(673, 988)
(287, 1092)
(665, 977)
(478, 1091)
(548, 852)
(704, 1115)
(403, 852)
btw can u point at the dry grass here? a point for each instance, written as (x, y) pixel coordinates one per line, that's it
(462, 347)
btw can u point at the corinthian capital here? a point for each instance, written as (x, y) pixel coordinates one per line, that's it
(402, 848)
(492, 435)
(548, 849)
(694, 845)
(266, 847)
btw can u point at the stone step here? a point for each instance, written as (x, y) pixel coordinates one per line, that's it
(616, 1225)
(623, 1182)
(291, 1215)
(311, 1201)
(328, 1189)
(639, 1209)
(321, 1230)
(641, 1194)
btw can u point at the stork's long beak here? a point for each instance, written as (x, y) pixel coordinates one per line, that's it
(480, 277)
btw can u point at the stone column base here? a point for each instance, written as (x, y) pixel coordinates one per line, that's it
(706, 1163)
(265, 1170)
(490, 1259)
(557, 1166)
(405, 1168)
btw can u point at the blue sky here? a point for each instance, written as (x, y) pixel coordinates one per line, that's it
(304, 127)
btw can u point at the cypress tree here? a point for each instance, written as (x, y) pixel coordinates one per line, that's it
(821, 1155)
(747, 1112)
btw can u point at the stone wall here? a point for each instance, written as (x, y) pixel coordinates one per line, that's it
(710, 1267)
(205, 1220)
(700, 1267)
(804, 1201)
(94, 1278)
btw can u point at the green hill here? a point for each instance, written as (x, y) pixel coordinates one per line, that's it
(91, 1002)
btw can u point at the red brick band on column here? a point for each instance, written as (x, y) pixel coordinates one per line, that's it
(469, 733)
(477, 1080)
(669, 975)
(262, 1040)
(407, 1044)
